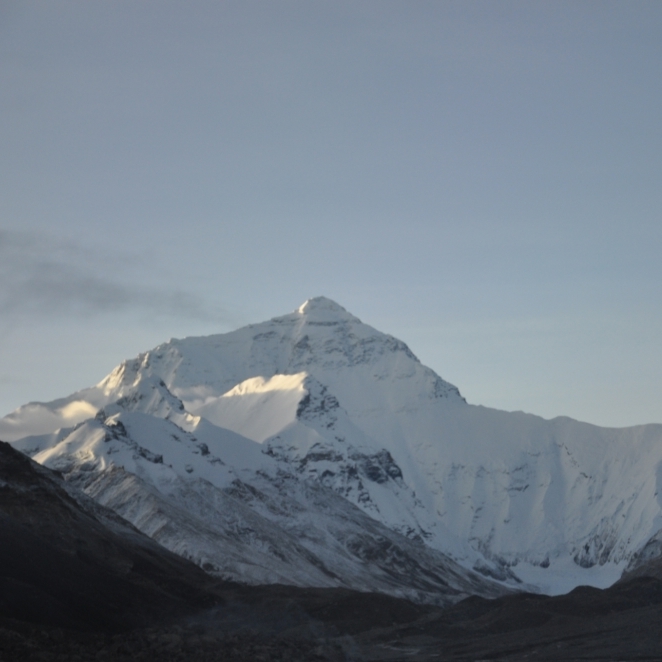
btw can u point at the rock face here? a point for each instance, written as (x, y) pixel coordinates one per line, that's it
(314, 450)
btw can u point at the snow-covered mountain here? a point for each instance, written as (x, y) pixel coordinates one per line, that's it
(313, 449)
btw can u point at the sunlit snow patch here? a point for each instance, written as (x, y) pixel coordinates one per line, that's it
(258, 407)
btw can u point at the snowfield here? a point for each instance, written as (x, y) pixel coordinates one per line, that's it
(314, 450)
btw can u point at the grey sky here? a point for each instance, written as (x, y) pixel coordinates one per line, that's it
(480, 179)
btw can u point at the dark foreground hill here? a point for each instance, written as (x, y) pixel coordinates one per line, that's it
(79, 583)
(621, 623)
(282, 623)
(65, 561)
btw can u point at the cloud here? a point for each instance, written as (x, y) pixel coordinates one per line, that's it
(39, 276)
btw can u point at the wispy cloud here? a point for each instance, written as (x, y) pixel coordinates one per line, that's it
(39, 276)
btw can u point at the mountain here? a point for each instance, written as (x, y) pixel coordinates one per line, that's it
(78, 582)
(314, 450)
(66, 561)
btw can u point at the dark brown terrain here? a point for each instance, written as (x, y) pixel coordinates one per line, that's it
(79, 583)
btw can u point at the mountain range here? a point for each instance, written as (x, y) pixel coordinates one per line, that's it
(314, 450)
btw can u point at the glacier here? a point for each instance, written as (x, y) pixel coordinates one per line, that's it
(314, 450)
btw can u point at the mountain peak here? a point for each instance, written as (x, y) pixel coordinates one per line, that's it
(322, 309)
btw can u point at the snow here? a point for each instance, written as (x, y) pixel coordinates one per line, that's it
(257, 406)
(321, 310)
(320, 397)
(564, 574)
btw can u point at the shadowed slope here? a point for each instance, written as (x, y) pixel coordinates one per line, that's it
(65, 560)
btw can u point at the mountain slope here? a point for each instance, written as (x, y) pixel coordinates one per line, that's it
(65, 560)
(207, 495)
(319, 397)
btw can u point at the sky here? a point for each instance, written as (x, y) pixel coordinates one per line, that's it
(479, 178)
